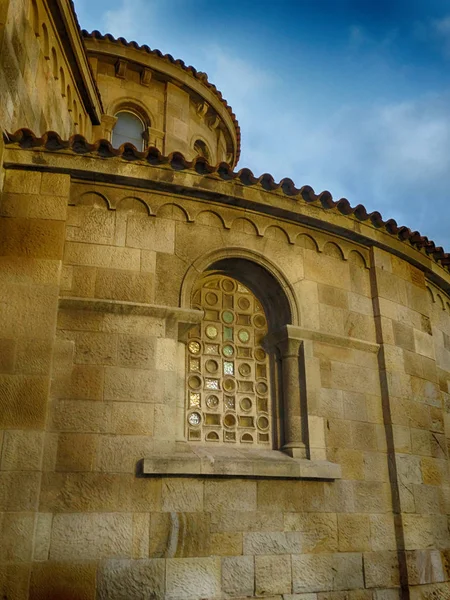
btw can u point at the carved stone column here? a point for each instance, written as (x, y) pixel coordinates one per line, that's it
(294, 443)
(108, 123)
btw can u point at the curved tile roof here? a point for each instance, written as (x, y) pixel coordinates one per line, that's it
(78, 144)
(203, 77)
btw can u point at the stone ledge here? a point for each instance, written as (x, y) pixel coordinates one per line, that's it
(229, 462)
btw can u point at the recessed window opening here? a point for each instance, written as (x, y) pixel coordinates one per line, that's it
(129, 128)
(201, 149)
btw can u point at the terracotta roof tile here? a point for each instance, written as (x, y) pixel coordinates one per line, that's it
(78, 144)
(203, 77)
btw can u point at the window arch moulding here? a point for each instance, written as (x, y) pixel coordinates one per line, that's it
(248, 374)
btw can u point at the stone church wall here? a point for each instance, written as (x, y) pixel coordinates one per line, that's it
(93, 382)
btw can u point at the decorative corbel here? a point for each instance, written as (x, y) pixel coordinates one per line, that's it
(202, 109)
(146, 76)
(121, 68)
(214, 121)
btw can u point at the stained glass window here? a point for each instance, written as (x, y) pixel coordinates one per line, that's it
(227, 368)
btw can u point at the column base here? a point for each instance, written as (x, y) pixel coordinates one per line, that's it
(295, 449)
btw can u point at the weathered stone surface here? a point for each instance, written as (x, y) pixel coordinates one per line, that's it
(381, 569)
(226, 544)
(22, 450)
(182, 495)
(14, 580)
(193, 578)
(131, 580)
(16, 533)
(238, 576)
(179, 535)
(91, 536)
(326, 572)
(55, 580)
(230, 495)
(273, 575)
(319, 532)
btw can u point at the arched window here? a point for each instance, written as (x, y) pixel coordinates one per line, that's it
(201, 149)
(128, 128)
(228, 381)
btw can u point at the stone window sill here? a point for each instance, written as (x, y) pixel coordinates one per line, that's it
(230, 462)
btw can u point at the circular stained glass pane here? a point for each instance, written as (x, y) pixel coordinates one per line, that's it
(245, 369)
(194, 418)
(211, 298)
(261, 388)
(211, 332)
(260, 354)
(244, 336)
(212, 402)
(194, 382)
(229, 420)
(229, 385)
(194, 347)
(245, 404)
(228, 285)
(263, 423)
(259, 321)
(211, 366)
(244, 303)
(228, 350)
(227, 316)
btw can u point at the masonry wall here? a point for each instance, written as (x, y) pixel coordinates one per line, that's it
(37, 89)
(93, 383)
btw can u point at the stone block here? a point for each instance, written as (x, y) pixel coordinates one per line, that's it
(151, 234)
(193, 578)
(22, 450)
(236, 520)
(38, 238)
(354, 405)
(166, 354)
(131, 579)
(418, 531)
(326, 572)
(382, 532)
(22, 182)
(19, 490)
(124, 285)
(238, 575)
(91, 536)
(132, 418)
(424, 344)
(16, 533)
(226, 544)
(179, 535)
(372, 497)
(139, 494)
(127, 384)
(23, 401)
(273, 575)
(14, 581)
(81, 416)
(273, 542)
(319, 532)
(55, 182)
(381, 569)
(121, 453)
(363, 436)
(86, 383)
(333, 296)
(42, 536)
(434, 471)
(182, 495)
(96, 255)
(91, 224)
(7, 355)
(33, 356)
(136, 351)
(94, 348)
(424, 566)
(47, 207)
(376, 466)
(57, 580)
(354, 532)
(229, 495)
(76, 452)
(141, 530)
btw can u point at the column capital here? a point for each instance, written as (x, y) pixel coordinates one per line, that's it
(287, 339)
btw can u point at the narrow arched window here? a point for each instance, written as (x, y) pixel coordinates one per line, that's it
(227, 396)
(201, 149)
(128, 128)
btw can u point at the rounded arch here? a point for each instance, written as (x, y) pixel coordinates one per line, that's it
(256, 272)
(55, 71)
(62, 81)
(132, 105)
(46, 42)
(201, 147)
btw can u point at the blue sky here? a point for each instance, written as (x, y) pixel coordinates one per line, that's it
(352, 96)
